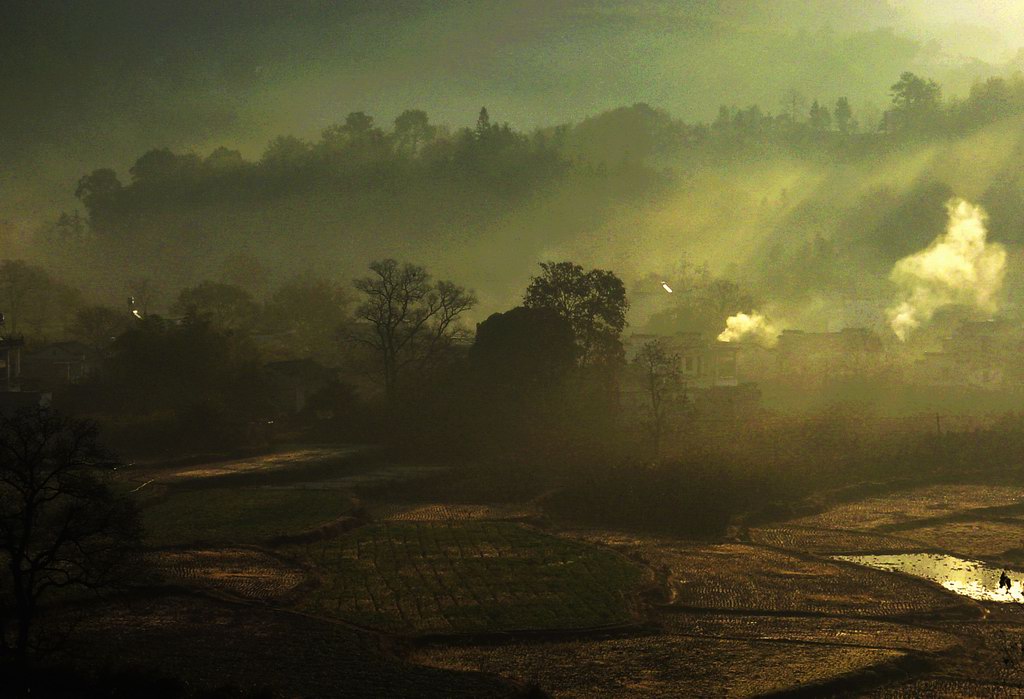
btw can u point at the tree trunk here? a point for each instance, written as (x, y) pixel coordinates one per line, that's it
(23, 609)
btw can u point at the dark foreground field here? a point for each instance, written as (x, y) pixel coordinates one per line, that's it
(305, 576)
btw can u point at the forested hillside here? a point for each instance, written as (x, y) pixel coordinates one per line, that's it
(810, 202)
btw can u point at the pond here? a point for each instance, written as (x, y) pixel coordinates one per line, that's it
(973, 579)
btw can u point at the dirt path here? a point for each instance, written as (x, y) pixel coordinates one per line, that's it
(285, 465)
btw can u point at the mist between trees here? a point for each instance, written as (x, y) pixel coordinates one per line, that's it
(546, 402)
(553, 398)
(810, 181)
(238, 278)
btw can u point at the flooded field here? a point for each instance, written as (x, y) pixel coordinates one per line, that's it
(973, 579)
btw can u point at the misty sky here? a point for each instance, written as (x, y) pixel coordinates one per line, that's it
(89, 84)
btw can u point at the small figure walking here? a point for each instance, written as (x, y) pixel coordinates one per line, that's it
(1004, 581)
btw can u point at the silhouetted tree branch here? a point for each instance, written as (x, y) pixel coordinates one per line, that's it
(61, 526)
(593, 302)
(660, 368)
(408, 320)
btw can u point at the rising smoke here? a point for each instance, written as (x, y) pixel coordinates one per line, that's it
(959, 267)
(749, 328)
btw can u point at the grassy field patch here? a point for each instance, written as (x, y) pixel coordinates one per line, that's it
(239, 515)
(447, 577)
(211, 644)
(442, 512)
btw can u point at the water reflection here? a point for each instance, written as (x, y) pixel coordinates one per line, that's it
(973, 579)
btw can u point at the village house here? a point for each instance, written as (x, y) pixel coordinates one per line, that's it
(12, 395)
(294, 381)
(826, 356)
(58, 364)
(982, 354)
(708, 370)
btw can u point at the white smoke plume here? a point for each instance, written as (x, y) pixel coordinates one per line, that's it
(959, 267)
(749, 328)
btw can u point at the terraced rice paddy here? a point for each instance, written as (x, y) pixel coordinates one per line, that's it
(983, 538)
(899, 508)
(868, 633)
(663, 665)
(434, 577)
(772, 613)
(744, 577)
(994, 651)
(245, 573)
(946, 688)
(829, 541)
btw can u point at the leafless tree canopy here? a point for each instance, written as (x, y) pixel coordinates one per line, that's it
(61, 527)
(661, 374)
(408, 319)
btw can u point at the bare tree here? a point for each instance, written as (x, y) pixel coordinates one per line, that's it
(409, 320)
(61, 527)
(662, 379)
